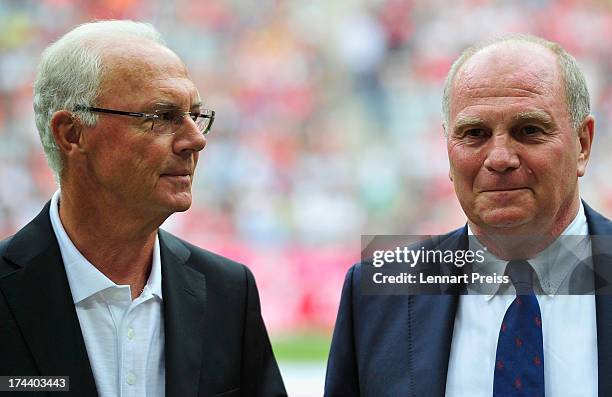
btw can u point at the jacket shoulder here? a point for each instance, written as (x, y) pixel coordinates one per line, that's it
(6, 267)
(449, 240)
(212, 265)
(4, 244)
(598, 224)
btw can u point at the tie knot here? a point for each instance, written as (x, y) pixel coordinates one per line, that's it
(521, 274)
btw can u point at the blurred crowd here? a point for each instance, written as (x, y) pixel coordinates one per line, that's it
(328, 122)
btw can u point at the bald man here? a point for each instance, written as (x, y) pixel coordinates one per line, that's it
(519, 134)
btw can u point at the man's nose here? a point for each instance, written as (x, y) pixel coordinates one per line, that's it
(189, 138)
(502, 155)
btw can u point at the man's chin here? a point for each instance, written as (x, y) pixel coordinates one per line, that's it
(182, 208)
(504, 219)
(504, 212)
(177, 202)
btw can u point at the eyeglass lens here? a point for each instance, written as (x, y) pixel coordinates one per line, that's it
(169, 121)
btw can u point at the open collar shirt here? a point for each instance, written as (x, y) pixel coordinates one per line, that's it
(124, 337)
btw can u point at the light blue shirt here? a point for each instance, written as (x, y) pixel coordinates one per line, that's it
(124, 338)
(569, 326)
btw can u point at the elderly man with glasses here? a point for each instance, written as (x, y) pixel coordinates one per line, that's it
(92, 289)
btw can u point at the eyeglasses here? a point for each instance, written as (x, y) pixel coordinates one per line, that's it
(166, 121)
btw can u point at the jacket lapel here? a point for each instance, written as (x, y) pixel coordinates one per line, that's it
(184, 295)
(39, 297)
(600, 230)
(432, 320)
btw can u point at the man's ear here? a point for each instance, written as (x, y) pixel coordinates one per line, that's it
(584, 143)
(66, 130)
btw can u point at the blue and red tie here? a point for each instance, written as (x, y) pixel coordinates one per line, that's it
(519, 363)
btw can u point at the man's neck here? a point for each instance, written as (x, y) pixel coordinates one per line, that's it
(117, 243)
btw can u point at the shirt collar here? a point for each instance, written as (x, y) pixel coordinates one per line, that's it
(154, 282)
(84, 278)
(562, 252)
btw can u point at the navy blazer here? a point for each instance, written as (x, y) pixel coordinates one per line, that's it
(216, 343)
(399, 345)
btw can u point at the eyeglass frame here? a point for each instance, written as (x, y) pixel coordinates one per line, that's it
(151, 116)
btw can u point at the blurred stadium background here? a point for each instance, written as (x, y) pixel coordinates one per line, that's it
(328, 128)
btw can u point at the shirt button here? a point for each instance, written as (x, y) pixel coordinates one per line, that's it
(131, 333)
(131, 378)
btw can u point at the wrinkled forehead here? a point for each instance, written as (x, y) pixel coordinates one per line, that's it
(141, 66)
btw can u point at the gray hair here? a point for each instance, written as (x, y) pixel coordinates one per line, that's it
(70, 73)
(576, 91)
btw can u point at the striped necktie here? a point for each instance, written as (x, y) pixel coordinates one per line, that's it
(519, 362)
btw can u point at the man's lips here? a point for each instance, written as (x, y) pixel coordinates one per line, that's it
(180, 177)
(177, 173)
(501, 190)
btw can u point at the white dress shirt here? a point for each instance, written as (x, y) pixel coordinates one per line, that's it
(124, 337)
(569, 328)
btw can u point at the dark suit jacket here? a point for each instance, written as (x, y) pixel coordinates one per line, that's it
(216, 343)
(399, 345)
